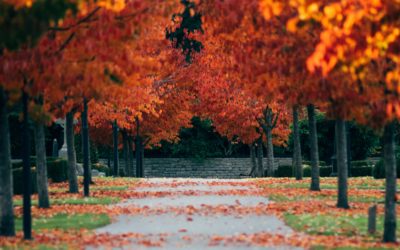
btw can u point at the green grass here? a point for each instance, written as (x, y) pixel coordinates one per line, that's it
(283, 198)
(64, 221)
(76, 201)
(334, 225)
(112, 188)
(347, 248)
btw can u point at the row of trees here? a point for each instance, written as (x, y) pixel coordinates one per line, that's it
(250, 66)
(104, 63)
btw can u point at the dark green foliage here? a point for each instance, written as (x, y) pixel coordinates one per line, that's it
(57, 170)
(94, 154)
(199, 141)
(321, 163)
(24, 26)
(102, 168)
(18, 182)
(287, 171)
(363, 141)
(379, 169)
(361, 171)
(284, 171)
(190, 22)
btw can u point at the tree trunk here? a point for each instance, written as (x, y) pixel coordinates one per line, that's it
(313, 140)
(7, 227)
(389, 157)
(142, 160)
(126, 152)
(41, 168)
(260, 156)
(342, 199)
(115, 145)
(71, 153)
(130, 157)
(26, 170)
(297, 161)
(253, 171)
(85, 149)
(270, 153)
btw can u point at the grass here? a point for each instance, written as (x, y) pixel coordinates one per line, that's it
(334, 225)
(76, 201)
(64, 221)
(283, 198)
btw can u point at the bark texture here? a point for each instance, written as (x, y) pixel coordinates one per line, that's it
(270, 153)
(126, 153)
(253, 171)
(314, 156)
(389, 234)
(85, 149)
(115, 147)
(71, 154)
(7, 227)
(260, 156)
(341, 155)
(41, 166)
(297, 161)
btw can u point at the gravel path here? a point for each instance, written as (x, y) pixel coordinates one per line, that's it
(194, 231)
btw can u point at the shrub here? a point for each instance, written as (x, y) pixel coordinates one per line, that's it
(287, 171)
(364, 163)
(284, 171)
(361, 171)
(57, 170)
(102, 168)
(18, 181)
(379, 169)
(321, 163)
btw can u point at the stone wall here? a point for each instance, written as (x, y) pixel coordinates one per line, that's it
(207, 168)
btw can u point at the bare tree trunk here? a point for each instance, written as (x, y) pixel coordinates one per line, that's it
(41, 168)
(270, 153)
(260, 156)
(115, 148)
(142, 160)
(85, 149)
(297, 161)
(71, 153)
(342, 199)
(389, 157)
(126, 152)
(7, 227)
(313, 140)
(253, 171)
(130, 157)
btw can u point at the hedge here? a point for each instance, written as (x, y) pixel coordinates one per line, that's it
(321, 163)
(287, 171)
(379, 169)
(57, 171)
(102, 168)
(361, 171)
(18, 182)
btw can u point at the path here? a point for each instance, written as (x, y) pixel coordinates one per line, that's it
(196, 214)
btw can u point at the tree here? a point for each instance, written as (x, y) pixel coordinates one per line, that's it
(362, 47)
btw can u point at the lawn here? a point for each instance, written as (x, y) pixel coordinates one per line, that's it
(65, 221)
(315, 213)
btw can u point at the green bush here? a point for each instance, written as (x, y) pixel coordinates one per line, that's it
(18, 181)
(364, 163)
(102, 168)
(361, 171)
(57, 170)
(287, 171)
(379, 169)
(321, 163)
(284, 171)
